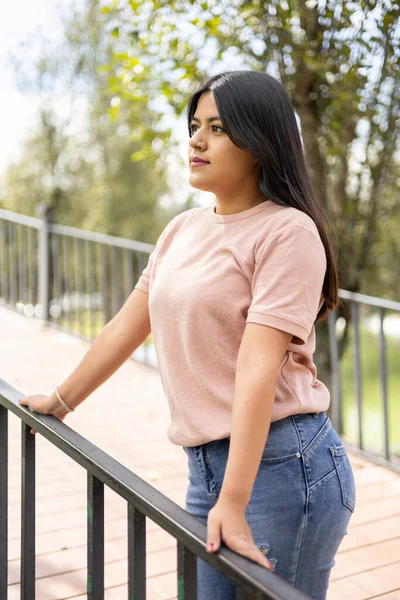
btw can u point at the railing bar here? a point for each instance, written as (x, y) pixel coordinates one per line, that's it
(357, 371)
(67, 275)
(157, 507)
(142, 261)
(335, 374)
(31, 268)
(384, 386)
(90, 286)
(28, 524)
(242, 595)
(13, 264)
(57, 272)
(129, 273)
(18, 270)
(95, 546)
(104, 283)
(4, 261)
(77, 278)
(187, 573)
(3, 501)
(115, 280)
(103, 238)
(136, 553)
(13, 217)
(370, 300)
(23, 266)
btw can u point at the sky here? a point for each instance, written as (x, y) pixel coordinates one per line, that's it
(19, 20)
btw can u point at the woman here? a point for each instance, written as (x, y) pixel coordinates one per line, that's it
(231, 294)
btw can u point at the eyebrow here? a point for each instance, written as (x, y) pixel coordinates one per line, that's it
(210, 120)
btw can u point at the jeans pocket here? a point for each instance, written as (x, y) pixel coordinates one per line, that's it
(345, 475)
(207, 473)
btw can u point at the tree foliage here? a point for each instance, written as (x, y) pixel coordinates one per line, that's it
(339, 61)
(83, 158)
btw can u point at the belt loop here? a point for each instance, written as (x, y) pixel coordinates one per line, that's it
(315, 415)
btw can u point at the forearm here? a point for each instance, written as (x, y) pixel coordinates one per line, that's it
(251, 419)
(109, 351)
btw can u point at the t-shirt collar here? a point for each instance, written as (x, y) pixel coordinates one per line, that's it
(244, 214)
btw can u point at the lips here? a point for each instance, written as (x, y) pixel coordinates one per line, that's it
(197, 160)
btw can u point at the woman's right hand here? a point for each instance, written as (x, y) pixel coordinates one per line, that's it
(45, 405)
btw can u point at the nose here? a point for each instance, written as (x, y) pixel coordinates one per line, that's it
(197, 140)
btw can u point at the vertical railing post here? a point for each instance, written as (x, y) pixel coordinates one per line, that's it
(187, 573)
(335, 374)
(95, 546)
(384, 385)
(27, 513)
(3, 500)
(357, 370)
(136, 553)
(44, 262)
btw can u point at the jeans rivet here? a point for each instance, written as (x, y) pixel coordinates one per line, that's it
(298, 454)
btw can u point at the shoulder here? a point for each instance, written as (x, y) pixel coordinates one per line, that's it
(288, 223)
(184, 217)
(179, 220)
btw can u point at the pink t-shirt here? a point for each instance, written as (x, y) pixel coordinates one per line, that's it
(207, 277)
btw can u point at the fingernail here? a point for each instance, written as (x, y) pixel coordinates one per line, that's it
(210, 547)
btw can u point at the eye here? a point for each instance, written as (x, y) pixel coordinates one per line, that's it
(217, 129)
(192, 129)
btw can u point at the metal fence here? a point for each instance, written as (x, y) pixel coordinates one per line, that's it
(364, 411)
(73, 279)
(77, 280)
(252, 581)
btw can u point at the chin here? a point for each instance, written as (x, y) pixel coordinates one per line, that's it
(200, 185)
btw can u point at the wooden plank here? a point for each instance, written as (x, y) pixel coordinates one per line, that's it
(371, 533)
(367, 585)
(363, 559)
(375, 511)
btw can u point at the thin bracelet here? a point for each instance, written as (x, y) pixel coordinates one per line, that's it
(61, 401)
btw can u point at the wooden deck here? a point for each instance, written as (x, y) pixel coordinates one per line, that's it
(127, 418)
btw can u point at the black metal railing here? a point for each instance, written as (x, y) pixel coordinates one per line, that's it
(73, 279)
(143, 501)
(360, 377)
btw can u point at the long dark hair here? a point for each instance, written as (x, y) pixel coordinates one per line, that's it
(258, 116)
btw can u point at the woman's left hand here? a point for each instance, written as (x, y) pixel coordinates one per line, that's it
(227, 523)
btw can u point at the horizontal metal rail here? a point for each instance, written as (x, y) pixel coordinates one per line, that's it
(252, 580)
(370, 300)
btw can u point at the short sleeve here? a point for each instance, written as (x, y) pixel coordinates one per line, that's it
(143, 282)
(287, 282)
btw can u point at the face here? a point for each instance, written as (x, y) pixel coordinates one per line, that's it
(216, 164)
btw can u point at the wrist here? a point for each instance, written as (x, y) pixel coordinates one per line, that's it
(54, 407)
(233, 498)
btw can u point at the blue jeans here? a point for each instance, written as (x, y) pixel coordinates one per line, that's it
(301, 503)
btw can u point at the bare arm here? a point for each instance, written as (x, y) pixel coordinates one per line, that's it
(261, 352)
(111, 348)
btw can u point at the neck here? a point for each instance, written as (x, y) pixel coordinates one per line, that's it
(229, 205)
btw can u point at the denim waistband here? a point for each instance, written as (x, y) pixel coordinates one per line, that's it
(292, 434)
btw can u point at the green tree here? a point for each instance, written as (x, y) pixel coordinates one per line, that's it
(339, 61)
(96, 177)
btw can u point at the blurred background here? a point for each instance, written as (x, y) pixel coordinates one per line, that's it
(93, 132)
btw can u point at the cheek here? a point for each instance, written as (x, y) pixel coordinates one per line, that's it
(237, 162)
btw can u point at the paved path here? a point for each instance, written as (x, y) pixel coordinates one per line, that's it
(127, 417)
